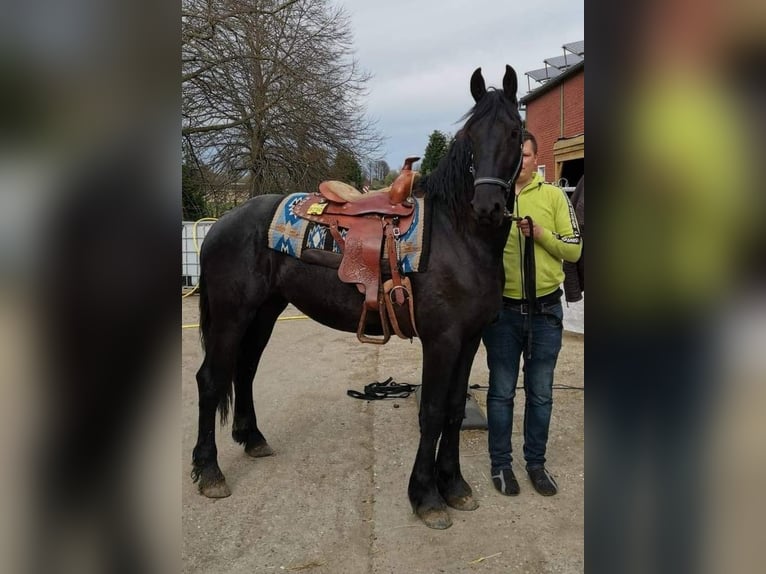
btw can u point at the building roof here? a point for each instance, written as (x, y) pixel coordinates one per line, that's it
(568, 73)
(557, 69)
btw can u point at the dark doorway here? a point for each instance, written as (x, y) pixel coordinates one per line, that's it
(571, 172)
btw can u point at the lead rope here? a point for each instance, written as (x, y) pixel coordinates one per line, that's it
(528, 274)
(530, 284)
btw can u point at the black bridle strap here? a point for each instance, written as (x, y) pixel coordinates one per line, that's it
(506, 185)
(493, 180)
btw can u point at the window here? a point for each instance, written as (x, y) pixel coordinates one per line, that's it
(541, 171)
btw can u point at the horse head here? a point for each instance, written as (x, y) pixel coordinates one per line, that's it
(494, 131)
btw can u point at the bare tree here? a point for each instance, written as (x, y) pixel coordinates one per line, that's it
(271, 91)
(375, 170)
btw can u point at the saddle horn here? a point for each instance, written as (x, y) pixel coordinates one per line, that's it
(401, 189)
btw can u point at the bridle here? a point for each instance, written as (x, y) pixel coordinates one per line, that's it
(507, 185)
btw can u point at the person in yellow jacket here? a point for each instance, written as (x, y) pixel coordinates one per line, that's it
(530, 323)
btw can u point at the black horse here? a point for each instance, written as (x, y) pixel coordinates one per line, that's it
(245, 285)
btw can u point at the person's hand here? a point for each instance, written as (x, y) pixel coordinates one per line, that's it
(524, 227)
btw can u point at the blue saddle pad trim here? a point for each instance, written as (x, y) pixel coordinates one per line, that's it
(291, 234)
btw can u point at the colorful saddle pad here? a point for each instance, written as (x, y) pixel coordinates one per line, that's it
(291, 234)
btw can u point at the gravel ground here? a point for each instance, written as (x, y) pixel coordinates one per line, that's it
(334, 497)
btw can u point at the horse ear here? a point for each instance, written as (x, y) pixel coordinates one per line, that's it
(510, 83)
(478, 89)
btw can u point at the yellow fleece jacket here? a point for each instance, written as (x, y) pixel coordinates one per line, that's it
(548, 206)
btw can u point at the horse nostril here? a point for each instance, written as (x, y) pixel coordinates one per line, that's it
(484, 209)
(479, 209)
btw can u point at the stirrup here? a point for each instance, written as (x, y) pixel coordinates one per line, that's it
(384, 323)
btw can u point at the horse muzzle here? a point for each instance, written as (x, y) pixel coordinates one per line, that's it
(488, 211)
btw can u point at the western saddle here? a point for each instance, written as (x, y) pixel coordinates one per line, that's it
(373, 222)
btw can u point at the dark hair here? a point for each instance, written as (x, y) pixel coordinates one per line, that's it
(529, 137)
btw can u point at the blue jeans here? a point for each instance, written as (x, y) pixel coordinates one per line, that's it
(505, 340)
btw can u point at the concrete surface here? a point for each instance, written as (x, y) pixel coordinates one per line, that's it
(334, 497)
(574, 315)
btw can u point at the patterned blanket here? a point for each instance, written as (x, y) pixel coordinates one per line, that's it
(291, 234)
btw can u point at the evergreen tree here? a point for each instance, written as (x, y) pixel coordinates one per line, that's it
(435, 151)
(346, 168)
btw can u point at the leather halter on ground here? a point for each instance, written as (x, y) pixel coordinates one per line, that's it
(373, 222)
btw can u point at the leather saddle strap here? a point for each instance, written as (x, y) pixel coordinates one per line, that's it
(399, 316)
(393, 262)
(411, 301)
(335, 232)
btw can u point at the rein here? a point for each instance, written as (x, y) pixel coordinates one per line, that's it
(529, 282)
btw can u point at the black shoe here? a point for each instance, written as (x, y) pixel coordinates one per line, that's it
(505, 482)
(543, 481)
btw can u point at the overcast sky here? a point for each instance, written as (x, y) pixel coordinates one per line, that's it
(422, 54)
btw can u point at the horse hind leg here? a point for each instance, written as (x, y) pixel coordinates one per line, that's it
(245, 426)
(214, 387)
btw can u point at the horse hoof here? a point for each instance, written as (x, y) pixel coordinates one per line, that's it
(437, 519)
(259, 450)
(216, 490)
(463, 502)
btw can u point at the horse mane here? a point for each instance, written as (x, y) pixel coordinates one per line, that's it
(451, 183)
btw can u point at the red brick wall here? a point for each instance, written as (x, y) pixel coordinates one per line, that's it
(574, 105)
(544, 118)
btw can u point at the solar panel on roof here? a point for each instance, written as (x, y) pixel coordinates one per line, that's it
(575, 47)
(557, 65)
(543, 74)
(563, 62)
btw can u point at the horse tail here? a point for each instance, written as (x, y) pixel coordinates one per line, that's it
(226, 396)
(225, 402)
(204, 309)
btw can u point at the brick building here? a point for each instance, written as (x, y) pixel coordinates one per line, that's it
(555, 114)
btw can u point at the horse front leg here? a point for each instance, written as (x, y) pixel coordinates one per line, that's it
(439, 362)
(449, 479)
